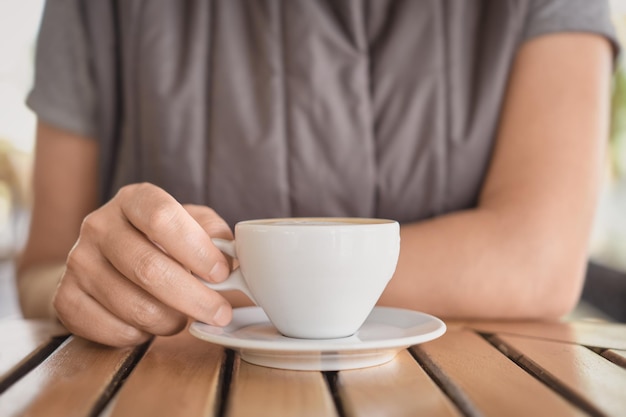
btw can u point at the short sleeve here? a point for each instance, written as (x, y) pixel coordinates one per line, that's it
(63, 93)
(551, 16)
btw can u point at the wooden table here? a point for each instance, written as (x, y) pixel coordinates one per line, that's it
(476, 368)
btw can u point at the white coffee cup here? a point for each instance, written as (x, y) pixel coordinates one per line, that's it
(315, 278)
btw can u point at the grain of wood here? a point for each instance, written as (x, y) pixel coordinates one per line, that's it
(69, 383)
(485, 382)
(178, 376)
(587, 375)
(398, 388)
(258, 391)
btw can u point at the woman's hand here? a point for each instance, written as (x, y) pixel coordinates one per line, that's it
(128, 275)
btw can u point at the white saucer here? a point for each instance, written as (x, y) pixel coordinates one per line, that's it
(385, 332)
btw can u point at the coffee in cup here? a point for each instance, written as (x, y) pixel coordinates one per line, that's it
(315, 278)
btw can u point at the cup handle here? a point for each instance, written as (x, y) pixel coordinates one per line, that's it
(235, 280)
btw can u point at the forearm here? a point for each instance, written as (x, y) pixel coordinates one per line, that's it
(62, 198)
(36, 287)
(478, 263)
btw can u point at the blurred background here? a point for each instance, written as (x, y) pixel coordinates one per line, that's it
(19, 22)
(605, 289)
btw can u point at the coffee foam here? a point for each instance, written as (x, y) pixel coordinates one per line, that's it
(310, 223)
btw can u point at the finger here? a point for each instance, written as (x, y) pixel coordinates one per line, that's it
(129, 302)
(213, 224)
(163, 220)
(138, 259)
(85, 317)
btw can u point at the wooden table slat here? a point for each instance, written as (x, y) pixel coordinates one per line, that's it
(70, 382)
(616, 356)
(258, 391)
(25, 340)
(30, 362)
(482, 381)
(398, 388)
(182, 372)
(597, 334)
(589, 377)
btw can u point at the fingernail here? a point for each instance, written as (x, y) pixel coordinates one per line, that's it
(219, 272)
(222, 316)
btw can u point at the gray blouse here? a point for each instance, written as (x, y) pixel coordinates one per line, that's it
(271, 108)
